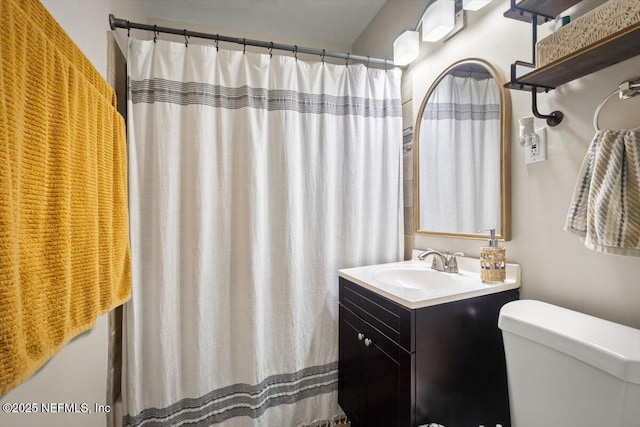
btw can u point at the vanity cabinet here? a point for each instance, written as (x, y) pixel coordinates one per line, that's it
(401, 367)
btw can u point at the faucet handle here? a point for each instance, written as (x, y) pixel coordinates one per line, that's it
(455, 254)
(453, 262)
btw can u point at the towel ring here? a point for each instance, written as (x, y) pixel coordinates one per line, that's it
(625, 90)
(596, 115)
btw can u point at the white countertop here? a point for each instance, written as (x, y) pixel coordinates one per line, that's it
(437, 289)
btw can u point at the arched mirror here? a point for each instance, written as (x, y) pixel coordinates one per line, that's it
(462, 155)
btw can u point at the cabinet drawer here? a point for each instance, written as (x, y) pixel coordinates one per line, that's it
(391, 319)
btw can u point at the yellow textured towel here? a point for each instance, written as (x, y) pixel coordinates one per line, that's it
(64, 250)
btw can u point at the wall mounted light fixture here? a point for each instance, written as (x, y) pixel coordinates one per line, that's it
(438, 20)
(406, 48)
(441, 19)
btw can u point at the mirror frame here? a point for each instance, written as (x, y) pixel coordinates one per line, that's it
(505, 156)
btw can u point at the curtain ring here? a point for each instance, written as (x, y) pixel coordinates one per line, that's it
(271, 51)
(324, 52)
(217, 41)
(186, 38)
(295, 52)
(244, 45)
(128, 28)
(385, 64)
(368, 60)
(155, 33)
(348, 57)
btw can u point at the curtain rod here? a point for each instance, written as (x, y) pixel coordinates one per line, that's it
(123, 23)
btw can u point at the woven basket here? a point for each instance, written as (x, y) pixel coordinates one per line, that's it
(603, 21)
(493, 263)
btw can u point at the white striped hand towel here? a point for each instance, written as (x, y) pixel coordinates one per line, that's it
(605, 210)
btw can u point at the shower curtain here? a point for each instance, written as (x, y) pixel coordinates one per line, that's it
(460, 156)
(253, 179)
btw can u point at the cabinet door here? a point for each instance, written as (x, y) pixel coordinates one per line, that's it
(351, 372)
(374, 376)
(389, 370)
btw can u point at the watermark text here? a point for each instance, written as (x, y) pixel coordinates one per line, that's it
(54, 408)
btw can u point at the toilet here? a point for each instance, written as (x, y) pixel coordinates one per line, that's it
(569, 369)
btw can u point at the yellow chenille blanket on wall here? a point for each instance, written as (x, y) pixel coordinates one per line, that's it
(64, 251)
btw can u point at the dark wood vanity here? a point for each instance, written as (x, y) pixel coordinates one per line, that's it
(401, 367)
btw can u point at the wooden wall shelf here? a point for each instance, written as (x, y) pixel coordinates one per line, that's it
(608, 51)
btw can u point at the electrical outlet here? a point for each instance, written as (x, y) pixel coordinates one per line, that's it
(537, 152)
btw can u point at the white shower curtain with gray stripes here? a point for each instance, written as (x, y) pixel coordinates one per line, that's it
(252, 180)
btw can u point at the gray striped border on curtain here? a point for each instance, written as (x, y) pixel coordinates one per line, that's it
(194, 93)
(451, 110)
(241, 399)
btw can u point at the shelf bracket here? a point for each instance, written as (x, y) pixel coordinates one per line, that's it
(553, 119)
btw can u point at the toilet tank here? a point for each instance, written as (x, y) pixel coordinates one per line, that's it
(569, 369)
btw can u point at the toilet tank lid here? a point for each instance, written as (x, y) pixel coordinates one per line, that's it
(606, 345)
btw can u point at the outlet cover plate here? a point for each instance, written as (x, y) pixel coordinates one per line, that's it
(537, 153)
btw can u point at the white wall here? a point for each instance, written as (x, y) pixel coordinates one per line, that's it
(556, 267)
(78, 373)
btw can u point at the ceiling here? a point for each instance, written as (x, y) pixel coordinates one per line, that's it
(338, 21)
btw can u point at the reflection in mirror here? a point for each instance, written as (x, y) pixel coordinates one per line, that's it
(462, 153)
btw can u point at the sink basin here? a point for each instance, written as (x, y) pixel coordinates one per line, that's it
(419, 276)
(414, 284)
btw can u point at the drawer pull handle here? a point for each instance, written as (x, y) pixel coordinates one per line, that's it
(360, 336)
(367, 342)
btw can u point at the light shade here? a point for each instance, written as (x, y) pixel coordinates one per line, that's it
(474, 4)
(438, 20)
(406, 48)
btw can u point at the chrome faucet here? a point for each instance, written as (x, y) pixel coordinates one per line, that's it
(442, 262)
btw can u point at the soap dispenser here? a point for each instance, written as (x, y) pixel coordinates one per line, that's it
(493, 261)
